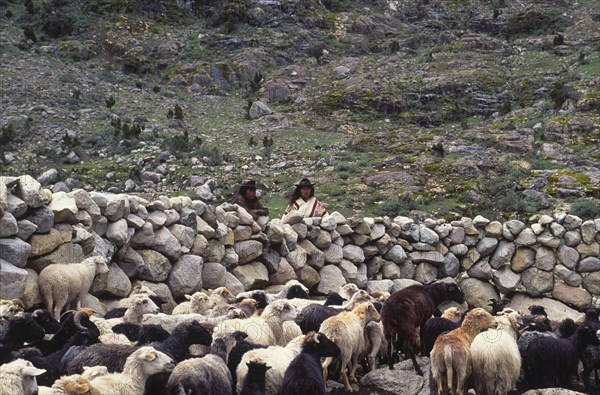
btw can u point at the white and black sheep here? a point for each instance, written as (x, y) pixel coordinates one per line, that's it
(63, 285)
(208, 375)
(346, 330)
(198, 303)
(304, 374)
(265, 329)
(18, 378)
(277, 357)
(140, 365)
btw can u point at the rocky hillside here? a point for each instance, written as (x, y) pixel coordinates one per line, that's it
(440, 107)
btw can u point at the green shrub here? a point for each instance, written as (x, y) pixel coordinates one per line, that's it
(397, 206)
(586, 209)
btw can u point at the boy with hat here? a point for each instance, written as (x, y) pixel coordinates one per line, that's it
(246, 198)
(303, 203)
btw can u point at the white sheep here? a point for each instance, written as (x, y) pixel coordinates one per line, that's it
(198, 303)
(138, 289)
(346, 330)
(64, 284)
(18, 378)
(221, 298)
(277, 357)
(266, 329)
(169, 322)
(139, 304)
(496, 358)
(347, 290)
(140, 365)
(75, 384)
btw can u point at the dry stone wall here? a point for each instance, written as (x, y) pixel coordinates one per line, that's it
(182, 245)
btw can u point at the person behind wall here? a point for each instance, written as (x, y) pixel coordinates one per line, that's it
(246, 198)
(303, 203)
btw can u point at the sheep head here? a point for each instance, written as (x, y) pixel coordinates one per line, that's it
(154, 361)
(452, 314)
(224, 293)
(478, 320)
(366, 312)
(101, 264)
(284, 310)
(347, 290)
(317, 343)
(78, 384)
(143, 304)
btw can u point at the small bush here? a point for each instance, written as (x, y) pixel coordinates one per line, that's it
(586, 209)
(397, 206)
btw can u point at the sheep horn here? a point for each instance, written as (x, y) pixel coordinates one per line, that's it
(77, 317)
(37, 312)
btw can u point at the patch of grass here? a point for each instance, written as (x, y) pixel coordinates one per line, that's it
(586, 209)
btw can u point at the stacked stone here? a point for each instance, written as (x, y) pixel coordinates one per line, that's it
(178, 246)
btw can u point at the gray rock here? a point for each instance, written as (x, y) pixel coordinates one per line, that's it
(493, 229)
(156, 266)
(478, 292)
(572, 238)
(213, 275)
(361, 276)
(248, 250)
(536, 281)
(117, 232)
(31, 296)
(297, 258)
(31, 192)
(572, 296)
(215, 252)
(459, 249)
(183, 278)
(131, 262)
(567, 256)
(183, 234)
(526, 238)
(432, 257)
(379, 285)
(450, 267)
(486, 246)
(308, 276)
(167, 244)
(15, 251)
(588, 264)
(8, 225)
(117, 207)
(259, 109)
(481, 270)
(570, 277)
(547, 239)
(253, 275)
(231, 259)
(65, 253)
(552, 391)
(12, 280)
(588, 249)
(43, 218)
(332, 279)
(378, 231)
(284, 273)
(588, 231)
(335, 254)
(428, 236)
(26, 229)
(554, 308)
(353, 254)
(117, 282)
(591, 282)
(470, 258)
(315, 257)
(390, 270)
(523, 258)
(572, 222)
(64, 207)
(503, 254)
(402, 283)
(426, 273)
(16, 206)
(506, 280)
(545, 258)
(403, 380)
(396, 254)
(233, 284)
(557, 229)
(143, 237)
(349, 271)
(514, 226)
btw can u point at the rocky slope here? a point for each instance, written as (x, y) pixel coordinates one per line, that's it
(450, 108)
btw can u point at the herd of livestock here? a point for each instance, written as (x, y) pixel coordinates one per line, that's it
(282, 343)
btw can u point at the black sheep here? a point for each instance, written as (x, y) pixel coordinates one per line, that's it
(334, 299)
(142, 334)
(113, 356)
(72, 322)
(45, 319)
(408, 309)
(304, 375)
(16, 331)
(430, 331)
(237, 352)
(254, 384)
(312, 316)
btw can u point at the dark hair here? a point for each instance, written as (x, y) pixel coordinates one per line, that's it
(296, 193)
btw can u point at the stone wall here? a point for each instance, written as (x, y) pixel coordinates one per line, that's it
(185, 245)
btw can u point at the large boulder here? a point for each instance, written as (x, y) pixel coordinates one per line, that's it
(252, 275)
(12, 281)
(183, 278)
(478, 293)
(332, 279)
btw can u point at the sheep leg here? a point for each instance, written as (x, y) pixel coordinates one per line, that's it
(345, 376)
(389, 354)
(326, 364)
(353, 368)
(411, 352)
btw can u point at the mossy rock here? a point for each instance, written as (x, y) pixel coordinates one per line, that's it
(77, 50)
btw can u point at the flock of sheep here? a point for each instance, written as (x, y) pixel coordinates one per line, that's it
(282, 343)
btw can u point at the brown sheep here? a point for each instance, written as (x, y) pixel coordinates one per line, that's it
(408, 309)
(451, 352)
(346, 330)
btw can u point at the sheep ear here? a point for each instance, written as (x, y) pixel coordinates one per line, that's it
(150, 356)
(316, 338)
(188, 297)
(32, 371)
